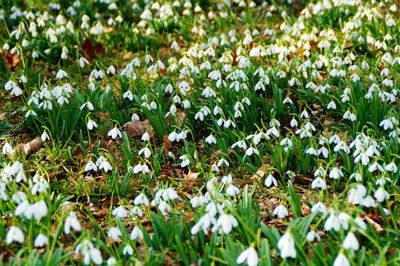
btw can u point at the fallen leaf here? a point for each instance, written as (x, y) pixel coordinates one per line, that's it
(11, 59)
(374, 224)
(30, 147)
(2, 116)
(166, 143)
(260, 172)
(91, 50)
(127, 56)
(138, 128)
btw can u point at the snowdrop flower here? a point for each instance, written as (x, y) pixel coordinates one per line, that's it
(332, 223)
(318, 183)
(136, 233)
(114, 133)
(145, 136)
(45, 136)
(14, 234)
(40, 241)
(249, 256)
(312, 236)
(82, 62)
(61, 74)
(89, 106)
(351, 242)
(226, 222)
(141, 199)
(72, 222)
(114, 233)
(335, 173)
(341, 260)
(232, 190)
(164, 208)
(185, 161)
(91, 124)
(127, 251)
(360, 223)
(146, 151)
(39, 210)
(7, 149)
(391, 167)
(136, 211)
(319, 207)
(357, 194)
(89, 252)
(111, 261)
(270, 180)
(286, 246)
(280, 211)
(381, 194)
(250, 151)
(120, 212)
(211, 140)
(40, 184)
(90, 166)
(331, 105)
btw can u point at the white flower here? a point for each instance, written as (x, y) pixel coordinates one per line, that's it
(341, 260)
(7, 148)
(114, 233)
(127, 251)
(335, 173)
(185, 161)
(249, 255)
(141, 199)
(250, 151)
(232, 190)
(61, 74)
(111, 261)
(319, 207)
(226, 222)
(136, 233)
(14, 234)
(381, 194)
(391, 167)
(351, 242)
(312, 236)
(114, 133)
(280, 211)
(120, 212)
(40, 240)
(286, 246)
(44, 136)
(211, 140)
(318, 183)
(146, 151)
(39, 210)
(90, 166)
(91, 124)
(270, 180)
(72, 222)
(332, 222)
(145, 136)
(89, 252)
(82, 62)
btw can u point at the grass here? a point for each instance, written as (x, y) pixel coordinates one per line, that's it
(199, 132)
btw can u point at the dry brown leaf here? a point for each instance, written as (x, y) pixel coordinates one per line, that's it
(138, 128)
(2, 116)
(166, 143)
(260, 172)
(30, 147)
(374, 224)
(11, 59)
(127, 56)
